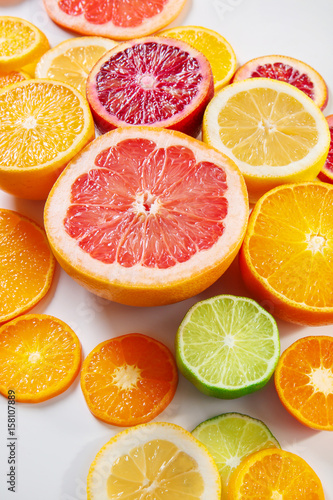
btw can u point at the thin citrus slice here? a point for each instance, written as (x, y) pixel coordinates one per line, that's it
(118, 19)
(286, 258)
(21, 43)
(290, 70)
(150, 461)
(26, 264)
(227, 346)
(72, 60)
(230, 438)
(153, 81)
(40, 357)
(129, 380)
(45, 124)
(217, 49)
(304, 381)
(12, 77)
(274, 474)
(146, 216)
(273, 131)
(326, 173)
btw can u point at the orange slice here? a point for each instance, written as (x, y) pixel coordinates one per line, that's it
(129, 380)
(26, 264)
(147, 216)
(274, 474)
(47, 123)
(286, 258)
(12, 77)
(118, 19)
(40, 357)
(304, 381)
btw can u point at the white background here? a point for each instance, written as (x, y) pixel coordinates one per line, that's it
(57, 440)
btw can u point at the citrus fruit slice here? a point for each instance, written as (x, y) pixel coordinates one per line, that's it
(146, 216)
(40, 357)
(290, 70)
(26, 264)
(21, 43)
(46, 124)
(156, 460)
(218, 51)
(154, 81)
(286, 257)
(118, 19)
(274, 474)
(273, 132)
(326, 173)
(72, 60)
(230, 438)
(227, 346)
(304, 381)
(12, 77)
(129, 380)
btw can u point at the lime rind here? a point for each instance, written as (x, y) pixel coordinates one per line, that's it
(228, 346)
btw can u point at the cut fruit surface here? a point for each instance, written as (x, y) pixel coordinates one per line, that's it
(154, 81)
(217, 49)
(271, 130)
(118, 19)
(21, 43)
(129, 380)
(12, 77)
(230, 438)
(287, 252)
(26, 264)
(156, 460)
(289, 70)
(274, 474)
(304, 381)
(326, 173)
(72, 60)
(47, 123)
(227, 346)
(40, 357)
(147, 216)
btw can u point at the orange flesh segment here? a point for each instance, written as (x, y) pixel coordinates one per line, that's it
(10, 78)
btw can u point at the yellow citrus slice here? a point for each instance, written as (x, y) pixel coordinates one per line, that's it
(273, 131)
(21, 43)
(40, 357)
(45, 124)
(12, 77)
(153, 461)
(218, 51)
(72, 60)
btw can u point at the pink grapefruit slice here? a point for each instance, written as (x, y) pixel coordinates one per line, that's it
(290, 70)
(326, 173)
(154, 81)
(117, 19)
(146, 216)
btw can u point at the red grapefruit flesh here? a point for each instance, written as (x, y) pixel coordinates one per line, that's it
(326, 174)
(147, 216)
(117, 19)
(289, 70)
(151, 81)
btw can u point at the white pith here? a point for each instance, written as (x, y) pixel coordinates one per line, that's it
(59, 202)
(321, 379)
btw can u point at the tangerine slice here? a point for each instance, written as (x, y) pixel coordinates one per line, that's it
(154, 81)
(40, 357)
(26, 264)
(147, 216)
(129, 380)
(304, 381)
(326, 173)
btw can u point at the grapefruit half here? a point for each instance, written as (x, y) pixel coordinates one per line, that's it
(146, 216)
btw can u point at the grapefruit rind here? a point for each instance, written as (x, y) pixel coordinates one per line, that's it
(142, 286)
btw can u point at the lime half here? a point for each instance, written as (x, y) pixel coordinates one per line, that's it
(230, 438)
(227, 346)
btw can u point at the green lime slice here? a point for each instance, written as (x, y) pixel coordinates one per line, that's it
(230, 438)
(227, 346)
